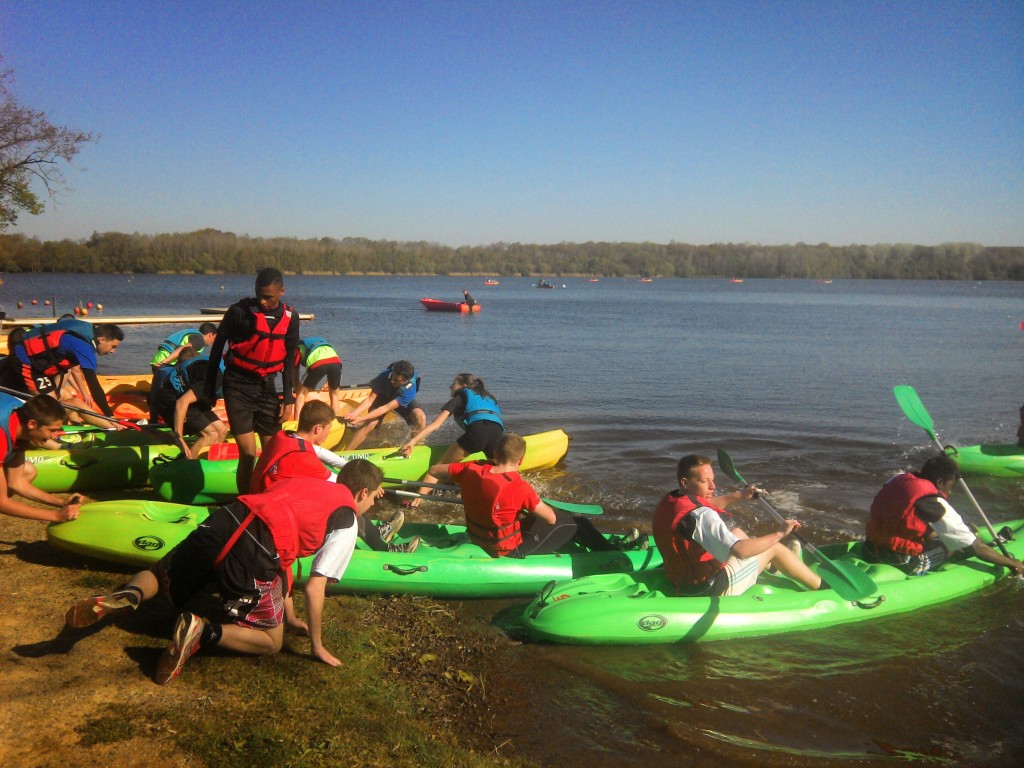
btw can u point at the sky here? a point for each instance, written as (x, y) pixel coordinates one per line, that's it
(470, 123)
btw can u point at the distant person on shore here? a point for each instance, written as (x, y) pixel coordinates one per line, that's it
(706, 554)
(68, 347)
(394, 389)
(468, 300)
(506, 518)
(913, 527)
(176, 398)
(321, 362)
(168, 351)
(476, 411)
(30, 423)
(262, 335)
(253, 572)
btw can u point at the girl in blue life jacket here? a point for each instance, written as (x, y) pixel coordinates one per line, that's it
(475, 410)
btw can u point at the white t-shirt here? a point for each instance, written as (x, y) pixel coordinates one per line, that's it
(334, 556)
(711, 532)
(951, 528)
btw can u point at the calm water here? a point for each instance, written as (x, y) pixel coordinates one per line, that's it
(795, 379)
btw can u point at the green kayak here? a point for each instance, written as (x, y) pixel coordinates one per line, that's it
(998, 460)
(445, 564)
(640, 608)
(201, 481)
(97, 467)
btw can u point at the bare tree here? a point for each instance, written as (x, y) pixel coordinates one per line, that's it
(31, 147)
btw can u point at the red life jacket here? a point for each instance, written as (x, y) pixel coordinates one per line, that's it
(492, 508)
(894, 523)
(286, 456)
(686, 561)
(43, 356)
(263, 353)
(295, 511)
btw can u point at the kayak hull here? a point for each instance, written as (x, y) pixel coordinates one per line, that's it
(996, 460)
(435, 305)
(200, 481)
(98, 467)
(446, 564)
(640, 609)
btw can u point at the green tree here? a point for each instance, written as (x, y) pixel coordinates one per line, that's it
(31, 148)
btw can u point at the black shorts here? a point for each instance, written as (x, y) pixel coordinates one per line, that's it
(196, 419)
(482, 436)
(405, 411)
(242, 578)
(330, 371)
(252, 403)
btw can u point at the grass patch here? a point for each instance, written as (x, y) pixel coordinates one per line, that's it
(410, 692)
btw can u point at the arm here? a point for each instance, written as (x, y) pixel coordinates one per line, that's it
(216, 352)
(743, 494)
(180, 409)
(545, 513)
(12, 479)
(744, 548)
(434, 425)
(376, 413)
(99, 397)
(316, 587)
(328, 457)
(440, 471)
(985, 552)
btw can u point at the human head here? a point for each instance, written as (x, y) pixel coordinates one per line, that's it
(363, 479)
(108, 338)
(269, 287)
(940, 470)
(511, 449)
(41, 417)
(15, 337)
(315, 413)
(401, 369)
(209, 332)
(469, 381)
(188, 353)
(696, 475)
(195, 341)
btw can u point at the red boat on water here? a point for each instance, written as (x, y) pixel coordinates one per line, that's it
(435, 305)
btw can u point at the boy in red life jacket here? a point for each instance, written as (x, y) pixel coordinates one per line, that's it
(301, 454)
(262, 336)
(505, 516)
(913, 527)
(248, 548)
(705, 553)
(30, 423)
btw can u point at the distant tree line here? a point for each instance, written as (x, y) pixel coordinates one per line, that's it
(212, 251)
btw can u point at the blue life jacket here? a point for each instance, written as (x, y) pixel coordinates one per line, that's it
(176, 340)
(479, 408)
(8, 405)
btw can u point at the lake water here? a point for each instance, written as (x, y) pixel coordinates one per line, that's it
(794, 378)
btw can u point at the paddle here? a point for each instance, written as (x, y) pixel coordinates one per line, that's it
(914, 410)
(568, 506)
(123, 422)
(849, 581)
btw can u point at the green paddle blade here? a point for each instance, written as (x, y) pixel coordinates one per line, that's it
(914, 409)
(576, 509)
(848, 581)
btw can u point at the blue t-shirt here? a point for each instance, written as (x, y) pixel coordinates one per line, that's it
(383, 388)
(74, 348)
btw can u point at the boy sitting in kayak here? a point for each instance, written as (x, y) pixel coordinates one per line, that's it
(248, 547)
(913, 527)
(301, 454)
(506, 517)
(705, 553)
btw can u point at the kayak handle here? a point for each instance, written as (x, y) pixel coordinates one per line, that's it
(72, 465)
(405, 570)
(873, 604)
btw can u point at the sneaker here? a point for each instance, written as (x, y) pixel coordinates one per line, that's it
(184, 643)
(409, 546)
(87, 612)
(388, 530)
(632, 540)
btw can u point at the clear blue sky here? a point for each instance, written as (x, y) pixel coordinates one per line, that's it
(477, 122)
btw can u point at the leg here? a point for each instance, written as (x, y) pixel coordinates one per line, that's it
(540, 538)
(453, 454)
(357, 438)
(256, 642)
(142, 586)
(247, 452)
(214, 432)
(784, 559)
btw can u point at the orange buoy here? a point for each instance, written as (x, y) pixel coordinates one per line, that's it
(99, 307)
(45, 303)
(35, 301)
(21, 304)
(89, 304)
